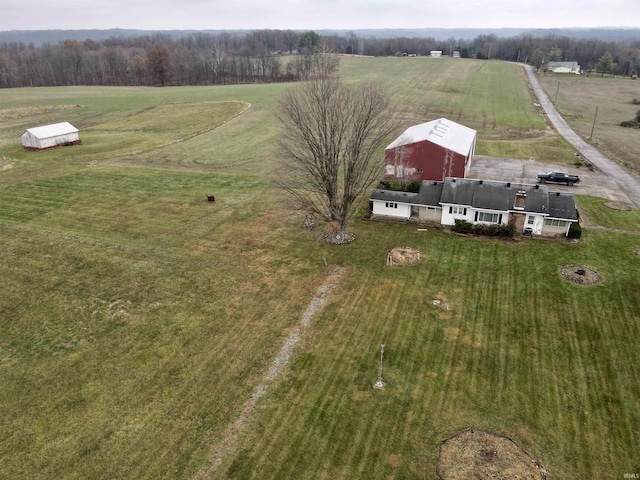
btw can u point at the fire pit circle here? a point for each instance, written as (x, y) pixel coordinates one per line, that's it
(580, 274)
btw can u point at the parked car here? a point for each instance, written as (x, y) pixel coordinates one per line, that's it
(558, 177)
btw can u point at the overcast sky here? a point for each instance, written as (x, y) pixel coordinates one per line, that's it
(314, 14)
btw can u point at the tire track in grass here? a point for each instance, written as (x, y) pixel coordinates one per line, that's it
(236, 429)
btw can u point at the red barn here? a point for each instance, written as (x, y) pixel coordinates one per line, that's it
(431, 151)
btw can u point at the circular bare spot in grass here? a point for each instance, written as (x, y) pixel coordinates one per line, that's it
(479, 454)
(637, 252)
(403, 256)
(339, 238)
(618, 206)
(580, 274)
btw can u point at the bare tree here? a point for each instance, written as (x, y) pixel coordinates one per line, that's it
(159, 63)
(330, 135)
(399, 164)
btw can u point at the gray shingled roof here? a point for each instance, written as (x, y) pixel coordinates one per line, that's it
(487, 195)
(501, 196)
(430, 193)
(562, 205)
(393, 196)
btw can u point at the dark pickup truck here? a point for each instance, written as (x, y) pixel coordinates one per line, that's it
(558, 177)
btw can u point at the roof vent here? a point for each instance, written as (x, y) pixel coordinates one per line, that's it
(508, 184)
(537, 187)
(480, 182)
(453, 180)
(435, 183)
(557, 194)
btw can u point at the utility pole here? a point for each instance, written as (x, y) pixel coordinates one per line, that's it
(557, 89)
(594, 123)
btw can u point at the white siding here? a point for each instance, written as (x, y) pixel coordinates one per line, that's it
(536, 226)
(400, 210)
(450, 214)
(50, 135)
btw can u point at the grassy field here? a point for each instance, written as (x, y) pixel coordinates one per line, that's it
(136, 319)
(576, 98)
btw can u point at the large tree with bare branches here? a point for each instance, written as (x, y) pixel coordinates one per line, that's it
(330, 136)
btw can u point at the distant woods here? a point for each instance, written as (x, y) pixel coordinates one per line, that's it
(196, 59)
(269, 56)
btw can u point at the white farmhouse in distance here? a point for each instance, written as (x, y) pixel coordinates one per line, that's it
(436, 53)
(564, 67)
(49, 136)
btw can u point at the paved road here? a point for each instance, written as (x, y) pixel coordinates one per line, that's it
(624, 179)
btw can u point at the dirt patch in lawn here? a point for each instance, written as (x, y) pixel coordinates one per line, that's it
(580, 274)
(402, 256)
(6, 163)
(479, 454)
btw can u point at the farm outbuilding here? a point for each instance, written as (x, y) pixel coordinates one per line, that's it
(564, 67)
(431, 151)
(49, 136)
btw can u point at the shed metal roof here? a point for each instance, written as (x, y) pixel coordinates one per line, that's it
(53, 130)
(443, 132)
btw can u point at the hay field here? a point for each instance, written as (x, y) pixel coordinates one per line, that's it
(137, 319)
(576, 98)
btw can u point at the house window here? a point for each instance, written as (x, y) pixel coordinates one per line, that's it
(552, 222)
(488, 217)
(391, 205)
(530, 220)
(458, 211)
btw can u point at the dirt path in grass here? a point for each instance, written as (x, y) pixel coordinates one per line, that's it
(234, 431)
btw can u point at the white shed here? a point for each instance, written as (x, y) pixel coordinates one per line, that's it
(48, 136)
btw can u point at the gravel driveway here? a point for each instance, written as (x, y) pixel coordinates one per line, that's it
(594, 183)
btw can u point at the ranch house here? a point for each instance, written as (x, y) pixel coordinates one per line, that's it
(431, 151)
(532, 209)
(49, 136)
(564, 67)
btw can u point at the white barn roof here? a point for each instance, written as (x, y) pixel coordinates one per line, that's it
(443, 132)
(48, 131)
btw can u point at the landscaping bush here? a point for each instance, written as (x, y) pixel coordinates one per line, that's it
(488, 230)
(494, 230)
(462, 226)
(575, 230)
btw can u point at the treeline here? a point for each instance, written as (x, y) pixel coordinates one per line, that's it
(269, 56)
(197, 59)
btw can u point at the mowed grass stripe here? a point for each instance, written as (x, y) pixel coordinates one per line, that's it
(532, 382)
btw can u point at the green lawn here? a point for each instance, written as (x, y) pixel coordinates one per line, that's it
(136, 318)
(610, 216)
